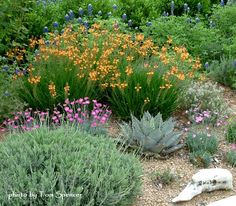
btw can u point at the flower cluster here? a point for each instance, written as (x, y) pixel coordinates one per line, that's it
(101, 56)
(76, 112)
(205, 117)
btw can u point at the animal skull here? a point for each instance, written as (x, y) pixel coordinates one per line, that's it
(206, 180)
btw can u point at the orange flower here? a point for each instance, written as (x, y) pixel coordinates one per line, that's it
(129, 70)
(137, 88)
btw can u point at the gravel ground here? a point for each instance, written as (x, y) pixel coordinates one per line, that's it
(179, 164)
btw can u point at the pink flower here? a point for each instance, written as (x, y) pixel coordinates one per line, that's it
(185, 129)
(198, 119)
(67, 109)
(233, 146)
(94, 124)
(67, 101)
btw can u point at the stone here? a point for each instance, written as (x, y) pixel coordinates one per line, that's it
(229, 201)
(206, 180)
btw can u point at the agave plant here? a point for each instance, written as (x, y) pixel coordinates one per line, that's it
(151, 134)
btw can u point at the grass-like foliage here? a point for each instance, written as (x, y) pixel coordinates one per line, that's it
(202, 141)
(231, 156)
(74, 168)
(108, 65)
(164, 177)
(201, 146)
(231, 133)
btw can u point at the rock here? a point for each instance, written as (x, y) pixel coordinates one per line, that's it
(206, 180)
(229, 201)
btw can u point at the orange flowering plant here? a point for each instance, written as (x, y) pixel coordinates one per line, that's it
(127, 70)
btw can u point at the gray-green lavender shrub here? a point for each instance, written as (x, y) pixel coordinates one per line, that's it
(224, 71)
(204, 98)
(74, 167)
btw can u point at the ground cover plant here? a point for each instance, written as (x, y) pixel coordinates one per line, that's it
(201, 146)
(60, 162)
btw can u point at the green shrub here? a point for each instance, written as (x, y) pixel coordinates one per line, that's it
(165, 177)
(204, 99)
(231, 133)
(13, 23)
(197, 38)
(202, 142)
(231, 157)
(151, 134)
(224, 71)
(225, 19)
(200, 158)
(9, 102)
(63, 161)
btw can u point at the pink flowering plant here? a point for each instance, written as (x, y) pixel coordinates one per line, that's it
(197, 116)
(89, 116)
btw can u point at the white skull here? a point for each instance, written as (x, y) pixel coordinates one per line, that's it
(206, 180)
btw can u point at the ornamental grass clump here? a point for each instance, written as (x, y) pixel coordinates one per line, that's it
(108, 65)
(66, 167)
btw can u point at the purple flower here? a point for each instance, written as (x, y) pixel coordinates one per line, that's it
(81, 11)
(55, 24)
(17, 71)
(45, 29)
(206, 65)
(67, 17)
(71, 14)
(124, 17)
(6, 94)
(5, 68)
(130, 22)
(86, 24)
(80, 20)
(172, 6)
(149, 23)
(90, 9)
(222, 3)
(114, 6)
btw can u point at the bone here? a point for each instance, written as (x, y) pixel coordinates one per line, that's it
(206, 180)
(229, 201)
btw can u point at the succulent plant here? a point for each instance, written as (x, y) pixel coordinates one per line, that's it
(151, 134)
